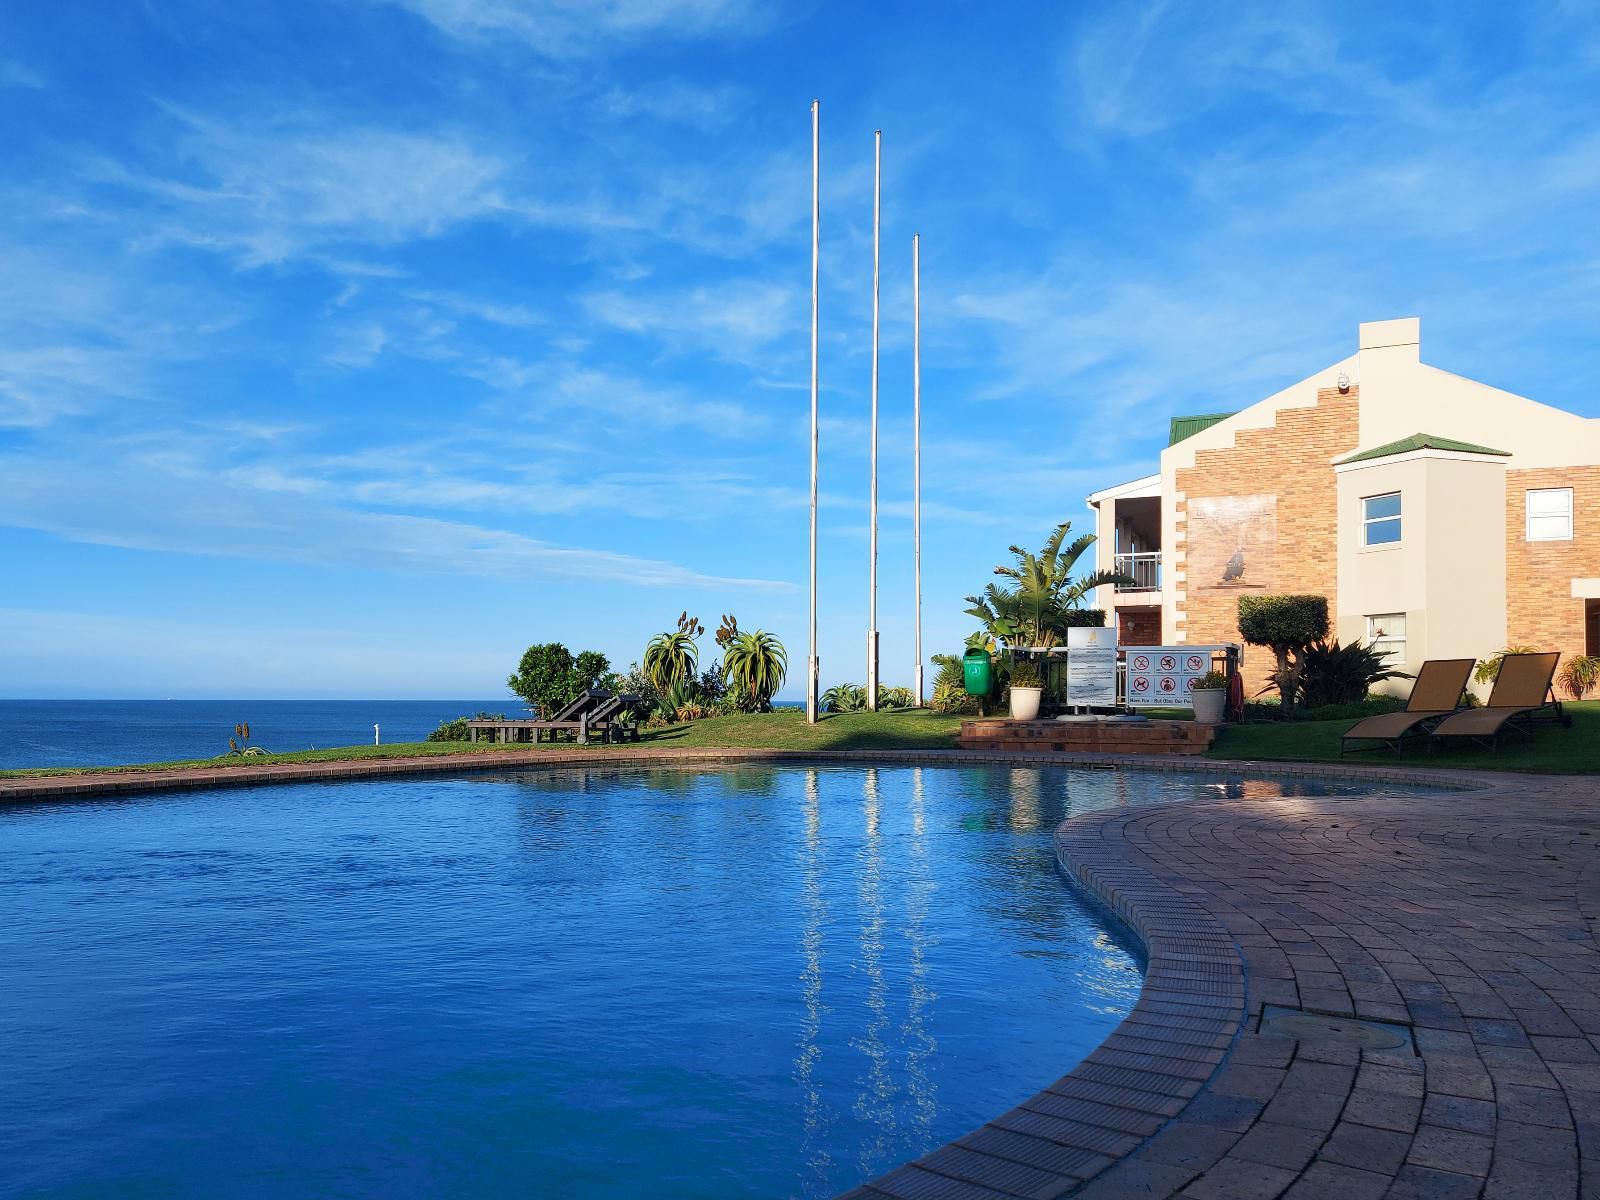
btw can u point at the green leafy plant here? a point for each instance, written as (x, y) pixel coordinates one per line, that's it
(680, 701)
(756, 665)
(1024, 675)
(1286, 625)
(1211, 681)
(1034, 610)
(1342, 674)
(895, 697)
(1579, 675)
(548, 676)
(239, 744)
(844, 698)
(673, 655)
(1488, 669)
(457, 731)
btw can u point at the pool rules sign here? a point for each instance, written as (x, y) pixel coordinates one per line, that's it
(1164, 676)
(1092, 667)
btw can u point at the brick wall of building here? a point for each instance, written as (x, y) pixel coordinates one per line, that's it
(1291, 529)
(1540, 609)
(1138, 628)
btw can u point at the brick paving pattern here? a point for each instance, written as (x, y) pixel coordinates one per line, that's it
(1469, 918)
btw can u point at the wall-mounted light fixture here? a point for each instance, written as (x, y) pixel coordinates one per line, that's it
(1344, 382)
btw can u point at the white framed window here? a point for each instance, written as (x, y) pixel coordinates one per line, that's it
(1387, 632)
(1380, 519)
(1549, 514)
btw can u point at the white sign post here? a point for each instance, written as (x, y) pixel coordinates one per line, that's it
(1092, 668)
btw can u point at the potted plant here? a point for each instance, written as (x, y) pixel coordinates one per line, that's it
(1025, 691)
(1210, 698)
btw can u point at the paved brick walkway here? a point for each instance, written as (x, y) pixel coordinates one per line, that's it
(1469, 918)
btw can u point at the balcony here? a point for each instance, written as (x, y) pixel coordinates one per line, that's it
(1144, 567)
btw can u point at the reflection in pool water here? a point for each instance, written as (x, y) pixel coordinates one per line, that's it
(763, 980)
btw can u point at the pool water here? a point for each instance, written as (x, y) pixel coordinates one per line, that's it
(673, 983)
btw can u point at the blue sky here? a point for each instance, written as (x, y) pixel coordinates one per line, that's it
(348, 347)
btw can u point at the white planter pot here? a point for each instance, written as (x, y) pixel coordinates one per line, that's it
(1025, 703)
(1209, 704)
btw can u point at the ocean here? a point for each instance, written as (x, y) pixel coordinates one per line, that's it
(81, 733)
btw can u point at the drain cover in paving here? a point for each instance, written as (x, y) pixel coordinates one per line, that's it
(1322, 1028)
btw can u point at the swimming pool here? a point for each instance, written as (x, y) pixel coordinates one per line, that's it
(771, 981)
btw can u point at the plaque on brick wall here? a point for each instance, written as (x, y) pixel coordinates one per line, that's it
(1232, 542)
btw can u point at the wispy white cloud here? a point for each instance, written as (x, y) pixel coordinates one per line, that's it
(168, 501)
(20, 75)
(567, 27)
(732, 320)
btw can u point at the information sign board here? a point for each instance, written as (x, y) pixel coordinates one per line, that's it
(1164, 676)
(1092, 667)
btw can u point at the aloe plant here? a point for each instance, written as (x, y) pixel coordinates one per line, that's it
(756, 664)
(673, 656)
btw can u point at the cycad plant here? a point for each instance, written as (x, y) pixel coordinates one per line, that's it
(756, 665)
(673, 656)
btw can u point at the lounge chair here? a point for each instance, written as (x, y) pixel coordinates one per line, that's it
(574, 717)
(607, 718)
(1522, 695)
(1435, 695)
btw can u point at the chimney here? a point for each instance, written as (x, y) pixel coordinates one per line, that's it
(1390, 358)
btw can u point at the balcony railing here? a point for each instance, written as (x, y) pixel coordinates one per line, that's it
(1143, 567)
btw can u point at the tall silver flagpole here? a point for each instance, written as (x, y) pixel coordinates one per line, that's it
(872, 574)
(816, 229)
(916, 447)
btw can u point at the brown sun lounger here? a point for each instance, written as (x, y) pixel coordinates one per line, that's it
(1522, 694)
(1435, 695)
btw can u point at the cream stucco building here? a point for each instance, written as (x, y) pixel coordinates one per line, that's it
(1440, 516)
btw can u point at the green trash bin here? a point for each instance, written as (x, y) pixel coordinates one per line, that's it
(978, 670)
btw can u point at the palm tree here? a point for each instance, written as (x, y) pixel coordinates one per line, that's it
(756, 665)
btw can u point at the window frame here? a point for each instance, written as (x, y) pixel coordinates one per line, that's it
(1367, 522)
(1389, 642)
(1528, 515)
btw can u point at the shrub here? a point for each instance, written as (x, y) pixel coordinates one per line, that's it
(895, 697)
(1488, 669)
(1286, 625)
(1578, 675)
(844, 698)
(1024, 675)
(548, 677)
(457, 731)
(1335, 674)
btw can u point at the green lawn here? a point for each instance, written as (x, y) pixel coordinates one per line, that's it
(1553, 749)
(785, 730)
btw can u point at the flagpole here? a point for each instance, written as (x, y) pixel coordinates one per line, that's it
(872, 574)
(916, 448)
(816, 226)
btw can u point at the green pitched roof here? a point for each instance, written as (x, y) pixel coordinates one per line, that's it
(1421, 441)
(1187, 427)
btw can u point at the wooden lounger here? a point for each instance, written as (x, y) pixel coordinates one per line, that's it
(1435, 695)
(1522, 694)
